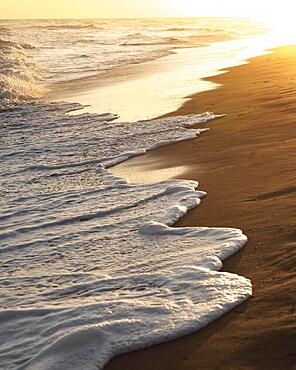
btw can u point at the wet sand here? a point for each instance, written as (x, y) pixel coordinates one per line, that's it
(246, 163)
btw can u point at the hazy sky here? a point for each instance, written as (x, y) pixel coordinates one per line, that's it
(143, 8)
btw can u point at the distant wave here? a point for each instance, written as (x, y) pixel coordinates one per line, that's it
(161, 41)
(200, 37)
(181, 29)
(64, 26)
(196, 29)
(8, 43)
(76, 27)
(28, 46)
(5, 29)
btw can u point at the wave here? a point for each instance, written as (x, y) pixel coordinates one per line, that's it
(19, 76)
(5, 30)
(28, 46)
(65, 26)
(200, 37)
(75, 27)
(195, 29)
(160, 41)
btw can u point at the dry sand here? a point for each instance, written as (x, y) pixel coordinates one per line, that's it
(246, 163)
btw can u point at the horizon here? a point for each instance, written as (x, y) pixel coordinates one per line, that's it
(130, 18)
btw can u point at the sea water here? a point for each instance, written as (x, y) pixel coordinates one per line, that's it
(91, 265)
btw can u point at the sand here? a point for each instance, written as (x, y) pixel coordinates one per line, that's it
(246, 163)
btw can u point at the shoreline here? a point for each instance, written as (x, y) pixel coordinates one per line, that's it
(251, 151)
(161, 85)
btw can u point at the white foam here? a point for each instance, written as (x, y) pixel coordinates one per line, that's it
(92, 265)
(19, 76)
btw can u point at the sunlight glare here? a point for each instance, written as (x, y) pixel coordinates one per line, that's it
(283, 22)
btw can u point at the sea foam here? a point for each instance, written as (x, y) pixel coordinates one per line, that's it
(19, 76)
(91, 266)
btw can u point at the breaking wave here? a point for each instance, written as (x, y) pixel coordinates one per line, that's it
(19, 76)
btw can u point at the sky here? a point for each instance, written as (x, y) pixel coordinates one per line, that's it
(10, 9)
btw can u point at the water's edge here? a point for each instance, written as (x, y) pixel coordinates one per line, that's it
(98, 304)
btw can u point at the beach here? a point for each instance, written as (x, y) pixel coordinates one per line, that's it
(246, 164)
(99, 260)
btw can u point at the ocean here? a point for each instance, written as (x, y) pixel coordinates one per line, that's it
(91, 265)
